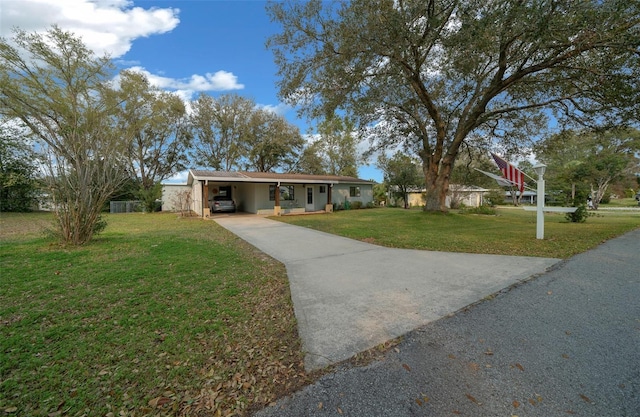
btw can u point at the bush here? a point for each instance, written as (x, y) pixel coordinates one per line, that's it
(370, 204)
(578, 216)
(483, 209)
(356, 205)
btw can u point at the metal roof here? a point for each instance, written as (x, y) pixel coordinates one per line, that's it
(264, 177)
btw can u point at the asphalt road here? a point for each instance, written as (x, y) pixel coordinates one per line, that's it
(564, 343)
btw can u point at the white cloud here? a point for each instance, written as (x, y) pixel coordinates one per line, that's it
(280, 109)
(178, 178)
(187, 87)
(106, 26)
(111, 26)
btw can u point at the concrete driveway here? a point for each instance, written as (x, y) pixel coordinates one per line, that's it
(350, 296)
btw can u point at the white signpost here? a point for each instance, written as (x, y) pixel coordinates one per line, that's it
(540, 208)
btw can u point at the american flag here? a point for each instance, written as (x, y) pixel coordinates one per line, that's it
(511, 173)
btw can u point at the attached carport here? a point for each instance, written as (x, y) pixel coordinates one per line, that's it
(271, 193)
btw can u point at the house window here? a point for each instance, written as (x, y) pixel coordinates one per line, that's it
(323, 189)
(286, 193)
(354, 191)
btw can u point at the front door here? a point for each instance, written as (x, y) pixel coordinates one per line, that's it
(309, 206)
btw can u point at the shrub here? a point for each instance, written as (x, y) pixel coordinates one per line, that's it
(483, 209)
(578, 216)
(356, 205)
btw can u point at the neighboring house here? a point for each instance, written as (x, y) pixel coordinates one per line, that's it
(528, 197)
(265, 192)
(469, 195)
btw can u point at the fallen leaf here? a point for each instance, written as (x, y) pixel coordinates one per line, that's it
(570, 412)
(474, 366)
(419, 402)
(489, 352)
(10, 410)
(452, 356)
(472, 399)
(456, 412)
(515, 404)
(587, 399)
(564, 355)
(549, 292)
(519, 367)
(339, 410)
(405, 366)
(397, 350)
(320, 405)
(159, 402)
(532, 401)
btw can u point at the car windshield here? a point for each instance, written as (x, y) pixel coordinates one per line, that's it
(221, 198)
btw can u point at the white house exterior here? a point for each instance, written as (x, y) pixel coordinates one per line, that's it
(267, 192)
(469, 195)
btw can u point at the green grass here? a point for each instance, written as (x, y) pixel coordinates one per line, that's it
(159, 315)
(510, 232)
(621, 202)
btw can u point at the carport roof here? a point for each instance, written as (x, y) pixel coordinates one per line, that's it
(267, 177)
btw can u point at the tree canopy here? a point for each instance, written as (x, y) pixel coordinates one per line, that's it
(432, 75)
(271, 142)
(155, 125)
(401, 174)
(219, 129)
(19, 187)
(333, 151)
(594, 159)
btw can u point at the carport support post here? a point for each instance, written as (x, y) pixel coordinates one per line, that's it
(276, 209)
(205, 199)
(329, 207)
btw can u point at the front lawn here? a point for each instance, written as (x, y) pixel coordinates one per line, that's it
(511, 232)
(159, 315)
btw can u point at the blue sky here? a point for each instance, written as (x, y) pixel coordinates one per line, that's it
(186, 46)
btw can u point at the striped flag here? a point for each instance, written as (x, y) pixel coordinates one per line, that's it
(511, 173)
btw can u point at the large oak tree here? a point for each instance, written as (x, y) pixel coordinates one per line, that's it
(432, 74)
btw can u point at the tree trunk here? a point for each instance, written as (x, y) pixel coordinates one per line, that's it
(437, 186)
